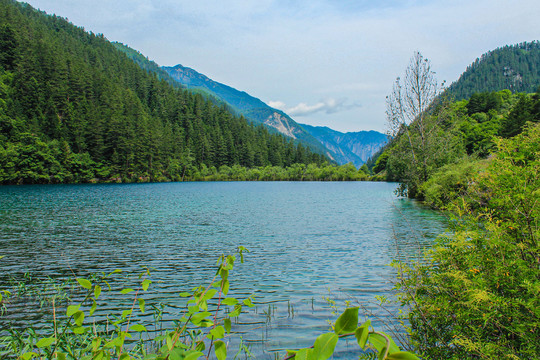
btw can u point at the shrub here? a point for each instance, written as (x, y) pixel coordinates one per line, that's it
(478, 296)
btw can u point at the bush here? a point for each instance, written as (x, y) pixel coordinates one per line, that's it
(478, 295)
(449, 182)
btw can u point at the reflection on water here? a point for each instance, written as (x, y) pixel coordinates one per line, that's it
(305, 239)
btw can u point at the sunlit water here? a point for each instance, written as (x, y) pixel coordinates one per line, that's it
(306, 241)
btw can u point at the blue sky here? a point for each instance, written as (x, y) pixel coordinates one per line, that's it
(325, 62)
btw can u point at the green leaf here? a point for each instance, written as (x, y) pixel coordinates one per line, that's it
(362, 334)
(145, 284)
(95, 344)
(141, 305)
(126, 313)
(225, 287)
(200, 345)
(137, 328)
(220, 350)
(93, 308)
(216, 333)
(248, 302)
(84, 283)
(304, 354)
(29, 355)
(402, 355)
(185, 294)
(175, 354)
(72, 309)
(197, 318)
(193, 355)
(114, 272)
(206, 323)
(379, 341)
(193, 309)
(79, 318)
(169, 341)
(61, 356)
(229, 301)
(324, 346)
(125, 356)
(114, 342)
(126, 291)
(381, 353)
(237, 310)
(228, 325)
(224, 273)
(79, 330)
(97, 291)
(347, 322)
(209, 294)
(45, 342)
(203, 305)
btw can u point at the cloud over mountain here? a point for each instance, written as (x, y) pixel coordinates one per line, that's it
(328, 106)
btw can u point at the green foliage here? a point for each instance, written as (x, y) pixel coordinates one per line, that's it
(77, 335)
(458, 129)
(205, 324)
(347, 326)
(450, 182)
(525, 110)
(478, 294)
(74, 108)
(483, 102)
(513, 67)
(413, 158)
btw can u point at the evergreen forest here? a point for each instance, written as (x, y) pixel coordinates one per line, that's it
(513, 67)
(73, 108)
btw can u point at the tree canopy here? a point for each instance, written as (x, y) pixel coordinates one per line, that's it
(73, 108)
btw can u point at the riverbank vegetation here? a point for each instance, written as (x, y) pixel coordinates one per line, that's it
(476, 294)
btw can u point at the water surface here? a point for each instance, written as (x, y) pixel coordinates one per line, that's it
(305, 239)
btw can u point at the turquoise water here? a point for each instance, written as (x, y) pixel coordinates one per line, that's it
(305, 239)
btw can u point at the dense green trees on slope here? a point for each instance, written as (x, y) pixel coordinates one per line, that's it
(458, 132)
(73, 108)
(513, 67)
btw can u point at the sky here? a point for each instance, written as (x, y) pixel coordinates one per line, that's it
(324, 62)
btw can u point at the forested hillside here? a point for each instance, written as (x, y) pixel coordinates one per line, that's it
(512, 67)
(445, 131)
(74, 109)
(475, 294)
(461, 132)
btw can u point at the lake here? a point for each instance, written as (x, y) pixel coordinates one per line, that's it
(307, 240)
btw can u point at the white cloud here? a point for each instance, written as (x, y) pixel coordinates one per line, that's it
(277, 105)
(328, 106)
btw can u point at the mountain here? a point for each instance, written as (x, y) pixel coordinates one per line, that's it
(355, 147)
(250, 107)
(513, 67)
(73, 108)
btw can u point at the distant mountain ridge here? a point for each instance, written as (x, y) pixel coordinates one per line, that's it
(355, 147)
(250, 107)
